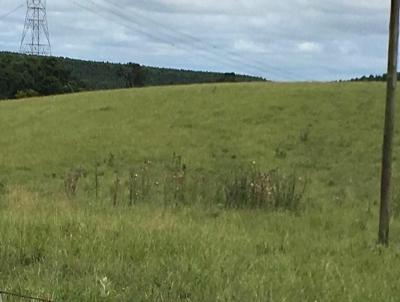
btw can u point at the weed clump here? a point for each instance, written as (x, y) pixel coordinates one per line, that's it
(175, 180)
(140, 183)
(3, 187)
(115, 188)
(71, 181)
(174, 184)
(264, 190)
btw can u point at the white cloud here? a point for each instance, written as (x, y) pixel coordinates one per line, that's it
(309, 47)
(248, 46)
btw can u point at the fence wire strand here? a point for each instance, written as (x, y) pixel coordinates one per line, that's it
(5, 294)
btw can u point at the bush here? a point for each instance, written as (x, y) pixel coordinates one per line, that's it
(28, 93)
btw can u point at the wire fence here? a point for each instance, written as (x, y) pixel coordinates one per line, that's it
(14, 297)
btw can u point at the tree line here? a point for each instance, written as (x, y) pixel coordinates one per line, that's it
(372, 78)
(25, 76)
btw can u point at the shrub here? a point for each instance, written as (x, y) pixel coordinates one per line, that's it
(28, 93)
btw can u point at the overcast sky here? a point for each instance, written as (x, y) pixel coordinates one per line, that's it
(279, 40)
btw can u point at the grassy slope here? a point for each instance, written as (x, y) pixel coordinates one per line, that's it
(195, 254)
(207, 124)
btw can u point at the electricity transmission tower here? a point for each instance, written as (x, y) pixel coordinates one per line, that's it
(35, 37)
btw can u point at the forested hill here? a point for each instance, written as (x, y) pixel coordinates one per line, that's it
(24, 76)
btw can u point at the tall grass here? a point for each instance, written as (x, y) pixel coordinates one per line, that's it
(270, 190)
(174, 183)
(94, 252)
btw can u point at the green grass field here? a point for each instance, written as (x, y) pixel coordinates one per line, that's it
(88, 248)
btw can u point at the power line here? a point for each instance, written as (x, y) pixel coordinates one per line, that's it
(200, 43)
(11, 12)
(143, 20)
(186, 41)
(148, 34)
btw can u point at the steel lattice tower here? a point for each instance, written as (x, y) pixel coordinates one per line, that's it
(35, 37)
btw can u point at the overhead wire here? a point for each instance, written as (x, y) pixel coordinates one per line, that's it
(207, 46)
(199, 43)
(272, 69)
(153, 36)
(11, 12)
(233, 61)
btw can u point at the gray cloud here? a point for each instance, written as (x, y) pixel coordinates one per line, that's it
(295, 39)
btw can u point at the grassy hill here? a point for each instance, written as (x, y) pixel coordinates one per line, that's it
(195, 249)
(332, 132)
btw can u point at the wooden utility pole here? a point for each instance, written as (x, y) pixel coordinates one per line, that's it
(389, 124)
